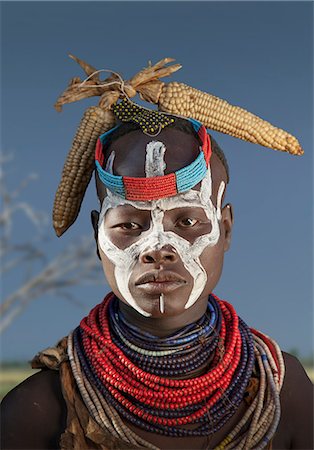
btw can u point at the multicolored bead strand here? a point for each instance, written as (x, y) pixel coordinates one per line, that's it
(125, 373)
(101, 411)
(167, 357)
(163, 403)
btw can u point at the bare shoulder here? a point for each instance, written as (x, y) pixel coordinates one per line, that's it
(295, 374)
(296, 422)
(33, 414)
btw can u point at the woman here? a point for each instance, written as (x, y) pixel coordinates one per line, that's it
(161, 362)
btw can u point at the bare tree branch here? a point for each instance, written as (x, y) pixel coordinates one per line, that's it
(74, 266)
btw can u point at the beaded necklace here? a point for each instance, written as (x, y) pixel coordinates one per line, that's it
(138, 375)
(186, 350)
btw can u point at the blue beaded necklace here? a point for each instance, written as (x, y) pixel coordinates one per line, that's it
(184, 351)
(191, 347)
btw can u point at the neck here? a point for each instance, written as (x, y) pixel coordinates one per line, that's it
(180, 348)
(165, 325)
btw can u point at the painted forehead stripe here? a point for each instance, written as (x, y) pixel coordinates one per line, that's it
(153, 188)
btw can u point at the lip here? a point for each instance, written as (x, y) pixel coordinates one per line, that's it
(159, 282)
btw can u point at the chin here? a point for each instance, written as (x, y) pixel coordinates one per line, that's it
(170, 307)
(169, 311)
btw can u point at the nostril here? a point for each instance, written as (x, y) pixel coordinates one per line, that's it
(159, 256)
(149, 259)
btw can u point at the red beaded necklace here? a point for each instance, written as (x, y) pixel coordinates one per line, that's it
(123, 379)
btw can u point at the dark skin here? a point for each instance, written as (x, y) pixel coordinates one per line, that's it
(126, 224)
(34, 413)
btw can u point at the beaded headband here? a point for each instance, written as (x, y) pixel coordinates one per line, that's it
(153, 188)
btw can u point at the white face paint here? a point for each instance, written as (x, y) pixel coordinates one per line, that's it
(156, 237)
(162, 303)
(155, 163)
(110, 160)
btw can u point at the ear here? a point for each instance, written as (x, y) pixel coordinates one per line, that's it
(227, 222)
(95, 219)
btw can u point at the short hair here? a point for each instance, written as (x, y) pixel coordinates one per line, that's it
(178, 124)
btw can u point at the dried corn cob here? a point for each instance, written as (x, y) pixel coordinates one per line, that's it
(79, 166)
(219, 115)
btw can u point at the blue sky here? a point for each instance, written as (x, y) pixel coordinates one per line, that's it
(258, 55)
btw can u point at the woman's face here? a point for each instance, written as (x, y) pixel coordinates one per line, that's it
(164, 257)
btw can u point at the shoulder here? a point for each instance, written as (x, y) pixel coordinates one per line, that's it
(295, 371)
(297, 387)
(297, 404)
(33, 414)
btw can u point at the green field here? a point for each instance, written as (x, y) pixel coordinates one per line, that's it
(11, 376)
(310, 373)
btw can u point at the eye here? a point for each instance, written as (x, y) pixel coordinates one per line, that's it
(129, 226)
(187, 222)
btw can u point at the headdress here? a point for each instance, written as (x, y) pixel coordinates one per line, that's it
(172, 98)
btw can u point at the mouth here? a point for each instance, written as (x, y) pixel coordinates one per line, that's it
(159, 282)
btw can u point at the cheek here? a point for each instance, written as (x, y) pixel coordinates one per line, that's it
(108, 268)
(212, 260)
(109, 271)
(123, 241)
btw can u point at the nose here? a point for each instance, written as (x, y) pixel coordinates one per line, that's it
(166, 254)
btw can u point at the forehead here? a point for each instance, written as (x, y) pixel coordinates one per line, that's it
(130, 151)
